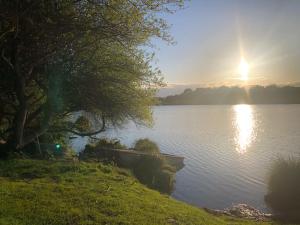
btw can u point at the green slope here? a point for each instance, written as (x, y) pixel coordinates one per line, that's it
(37, 192)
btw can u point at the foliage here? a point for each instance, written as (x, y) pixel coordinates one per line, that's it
(146, 145)
(284, 188)
(46, 148)
(95, 151)
(63, 56)
(151, 170)
(154, 172)
(35, 192)
(82, 124)
(44, 151)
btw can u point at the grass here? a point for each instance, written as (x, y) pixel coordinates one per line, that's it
(36, 192)
(284, 188)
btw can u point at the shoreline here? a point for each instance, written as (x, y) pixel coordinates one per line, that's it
(242, 211)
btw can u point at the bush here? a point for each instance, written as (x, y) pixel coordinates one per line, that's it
(164, 181)
(109, 144)
(151, 169)
(93, 151)
(284, 188)
(154, 172)
(49, 151)
(146, 145)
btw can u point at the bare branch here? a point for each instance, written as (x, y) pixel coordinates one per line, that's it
(6, 59)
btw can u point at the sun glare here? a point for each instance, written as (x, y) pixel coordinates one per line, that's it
(244, 69)
(245, 126)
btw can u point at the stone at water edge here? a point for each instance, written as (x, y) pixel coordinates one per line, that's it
(242, 211)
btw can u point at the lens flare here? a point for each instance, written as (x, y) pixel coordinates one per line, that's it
(244, 69)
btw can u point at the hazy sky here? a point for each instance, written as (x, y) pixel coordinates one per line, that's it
(213, 35)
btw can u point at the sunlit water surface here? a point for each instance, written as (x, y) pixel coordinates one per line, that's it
(228, 149)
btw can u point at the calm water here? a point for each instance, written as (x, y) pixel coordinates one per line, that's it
(227, 149)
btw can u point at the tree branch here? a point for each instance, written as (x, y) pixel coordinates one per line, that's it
(7, 60)
(82, 134)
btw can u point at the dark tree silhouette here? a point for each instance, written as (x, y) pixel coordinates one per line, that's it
(236, 95)
(64, 56)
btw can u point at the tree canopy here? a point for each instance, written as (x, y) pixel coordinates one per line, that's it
(64, 56)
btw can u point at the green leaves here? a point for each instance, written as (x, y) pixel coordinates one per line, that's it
(82, 124)
(78, 56)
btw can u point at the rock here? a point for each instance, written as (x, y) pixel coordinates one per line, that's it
(242, 211)
(214, 211)
(172, 221)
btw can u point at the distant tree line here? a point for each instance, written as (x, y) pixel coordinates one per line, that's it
(236, 95)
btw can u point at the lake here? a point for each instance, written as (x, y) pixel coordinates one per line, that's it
(228, 150)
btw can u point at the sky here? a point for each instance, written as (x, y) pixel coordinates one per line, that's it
(213, 36)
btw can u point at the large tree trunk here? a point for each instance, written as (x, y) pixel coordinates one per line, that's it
(20, 85)
(22, 111)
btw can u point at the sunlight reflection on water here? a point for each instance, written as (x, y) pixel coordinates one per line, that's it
(244, 127)
(210, 139)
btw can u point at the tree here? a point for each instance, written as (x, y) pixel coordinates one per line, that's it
(64, 56)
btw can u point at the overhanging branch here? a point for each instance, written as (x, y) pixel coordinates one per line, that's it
(81, 134)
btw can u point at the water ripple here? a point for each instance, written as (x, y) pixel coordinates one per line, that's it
(228, 149)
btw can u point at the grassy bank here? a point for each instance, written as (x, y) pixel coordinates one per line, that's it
(69, 193)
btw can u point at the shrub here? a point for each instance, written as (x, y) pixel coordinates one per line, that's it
(93, 151)
(82, 124)
(284, 188)
(151, 169)
(110, 144)
(164, 181)
(49, 151)
(146, 145)
(154, 172)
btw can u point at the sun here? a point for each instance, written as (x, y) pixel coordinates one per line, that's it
(244, 69)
